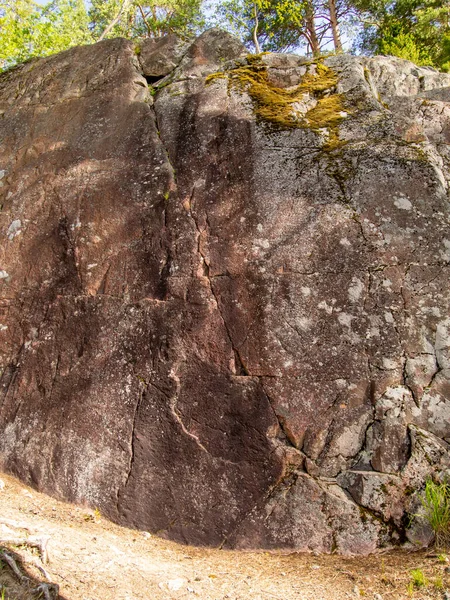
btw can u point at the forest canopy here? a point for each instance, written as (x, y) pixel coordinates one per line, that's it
(417, 30)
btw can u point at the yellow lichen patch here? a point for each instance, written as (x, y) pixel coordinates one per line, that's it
(327, 114)
(214, 76)
(323, 109)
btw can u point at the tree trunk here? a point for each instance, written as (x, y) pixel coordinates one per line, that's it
(116, 19)
(255, 30)
(311, 29)
(335, 26)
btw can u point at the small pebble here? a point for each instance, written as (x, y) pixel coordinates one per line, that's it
(377, 597)
(175, 584)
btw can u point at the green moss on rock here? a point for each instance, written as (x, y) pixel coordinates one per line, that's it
(279, 106)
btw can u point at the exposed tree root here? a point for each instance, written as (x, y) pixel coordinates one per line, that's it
(33, 542)
(9, 560)
(47, 591)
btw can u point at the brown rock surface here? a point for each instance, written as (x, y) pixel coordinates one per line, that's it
(214, 327)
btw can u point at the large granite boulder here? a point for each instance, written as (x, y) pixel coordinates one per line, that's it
(225, 296)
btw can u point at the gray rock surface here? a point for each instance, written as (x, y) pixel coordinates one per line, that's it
(225, 300)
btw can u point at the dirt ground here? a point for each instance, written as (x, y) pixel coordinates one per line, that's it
(91, 558)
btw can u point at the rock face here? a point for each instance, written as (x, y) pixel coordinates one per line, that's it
(225, 297)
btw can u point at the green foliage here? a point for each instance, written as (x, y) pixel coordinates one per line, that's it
(435, 502)
(404, 46)
(278, 22)
(30, 29)
(417, 30)
(133, 19)
(418, 578)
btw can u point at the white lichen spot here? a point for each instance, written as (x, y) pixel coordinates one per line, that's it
(389, 317)
(259, 227)
(92, 265)
(306, 291)
(262, 243)
(387, 283)
(3, 327)
(355, 290)
(14, 229)
(325, 306)
(373, 332)
(345, 242)
(389, 364)
(303, 323)
(345, 319)
(442, 344)
(341, 383)
(402, 203)
(3, 274)
(434, 311)
(445, 254)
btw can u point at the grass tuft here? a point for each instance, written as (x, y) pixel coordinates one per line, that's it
(435, 502)
(418, 578)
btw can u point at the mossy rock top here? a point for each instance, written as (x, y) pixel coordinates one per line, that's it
(312, 104)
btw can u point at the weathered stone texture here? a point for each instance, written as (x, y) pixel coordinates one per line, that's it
(222, 330)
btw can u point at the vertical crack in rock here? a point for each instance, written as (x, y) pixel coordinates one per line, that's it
(173, 409)
(64, 232)
(165, 270)
(132, 447)
(289, 439)
(7, 381)
(404, 360)
(54, 377)
(240, 367)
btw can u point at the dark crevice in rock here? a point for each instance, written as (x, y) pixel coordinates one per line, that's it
(240, 368)
(102, 287)
(433, 377)
(69, 247)
(7, 380)
(153, 80)
(163, 284)
(287, 435)
(165, 270)
(405, 380)
(132, 449)
(54, 377)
